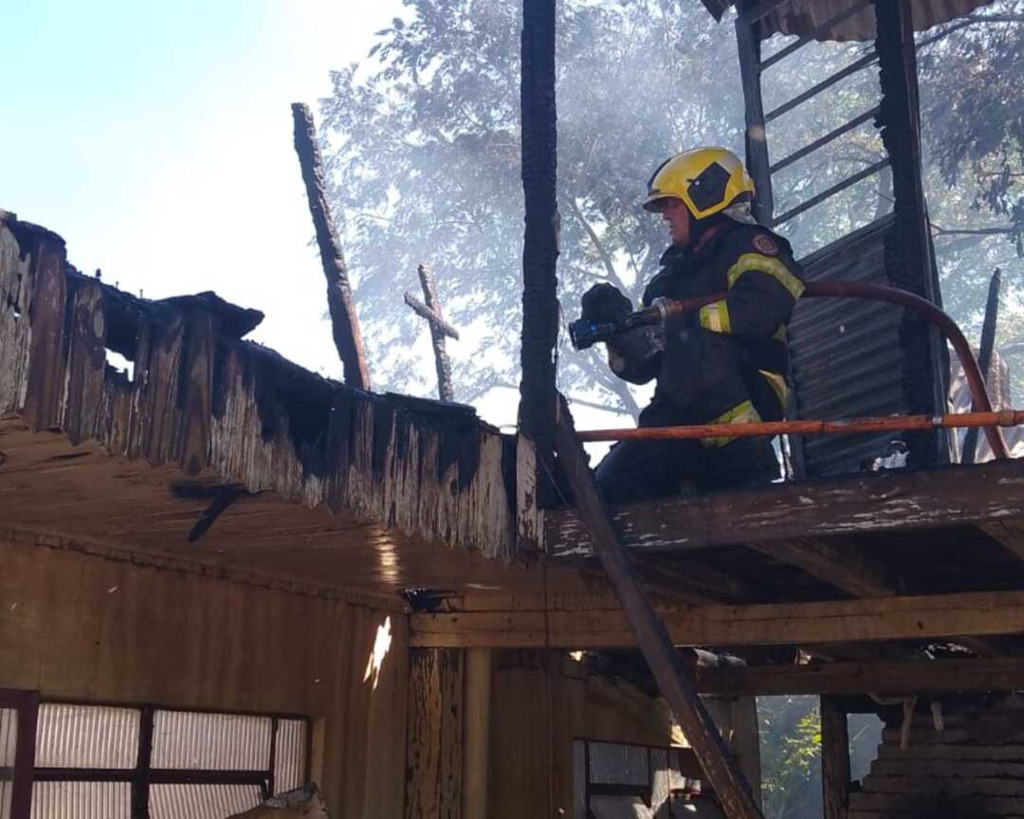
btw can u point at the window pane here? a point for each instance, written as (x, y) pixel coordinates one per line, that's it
(614, 764)
(201, 801)
(8, 746)
(619, 807)
(8, 736)
(223, 742)
(86, 736)
(81, 800)
(290, 755)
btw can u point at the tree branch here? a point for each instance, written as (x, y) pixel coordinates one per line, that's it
(598, 245)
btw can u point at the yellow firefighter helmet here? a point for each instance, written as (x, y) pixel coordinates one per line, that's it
(707, 180)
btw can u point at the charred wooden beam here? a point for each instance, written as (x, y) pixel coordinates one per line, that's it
(348, 339)
(988, 340)
(439, 328)
(674, 679)
(541, 237)
(864, 504)
(908, 252)
(838, 561)
(877, 677)
(748, 43)
(974, 614)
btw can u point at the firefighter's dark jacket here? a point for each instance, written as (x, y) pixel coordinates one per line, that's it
(734, 351)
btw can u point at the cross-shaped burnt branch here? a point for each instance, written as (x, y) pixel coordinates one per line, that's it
(439, 328)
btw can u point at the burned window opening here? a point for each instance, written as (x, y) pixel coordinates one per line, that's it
(119, 366)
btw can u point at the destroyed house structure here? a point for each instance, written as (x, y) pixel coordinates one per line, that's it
(224, 577)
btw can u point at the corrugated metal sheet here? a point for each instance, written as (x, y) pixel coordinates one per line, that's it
(290, 755)
(8, 744)
(803, 16)
(201, 801)
(799, 17)
(8, 736)
(86, 736)
(183, 739)
(846, 355)
(81, 800)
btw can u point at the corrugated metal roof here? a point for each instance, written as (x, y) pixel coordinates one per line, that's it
(800, 17)
(86, 736)
(846, 355)
(81, 800)
(183, 739)
(201, 801)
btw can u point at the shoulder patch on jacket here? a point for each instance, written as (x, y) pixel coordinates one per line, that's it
(763, 243)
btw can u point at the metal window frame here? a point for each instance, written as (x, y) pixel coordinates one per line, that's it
(142, 776)
(26, 705)
(752, 68)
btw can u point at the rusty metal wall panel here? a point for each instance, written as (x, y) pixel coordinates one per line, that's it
(290, 755)
(846, 356)
(183, 739)
(201, 801)
(81, 800)
(86, 736)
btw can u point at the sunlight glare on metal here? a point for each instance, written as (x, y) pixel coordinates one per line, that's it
(381, 646)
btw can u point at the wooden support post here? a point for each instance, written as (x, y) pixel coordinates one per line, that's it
(434, 749)
(835, 759)
(988, 339)
(475, 746)
(348, 339)
(673, 678)
(439, 328)
(541, 237)
(908, 250)
(748, 44)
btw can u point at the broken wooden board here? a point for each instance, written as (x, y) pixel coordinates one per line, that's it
(863, 504)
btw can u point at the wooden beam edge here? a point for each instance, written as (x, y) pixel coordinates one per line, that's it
(838, 621)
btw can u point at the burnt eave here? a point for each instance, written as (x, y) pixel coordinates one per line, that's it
(221, 440)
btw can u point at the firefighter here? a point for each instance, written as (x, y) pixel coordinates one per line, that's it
(726, 364)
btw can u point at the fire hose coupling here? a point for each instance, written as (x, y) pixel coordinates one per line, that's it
(584, 333)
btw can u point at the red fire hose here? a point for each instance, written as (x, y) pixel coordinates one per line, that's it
(982, 405)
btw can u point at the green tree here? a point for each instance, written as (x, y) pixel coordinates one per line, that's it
(423, 146)
(424, 154)
(790, 729)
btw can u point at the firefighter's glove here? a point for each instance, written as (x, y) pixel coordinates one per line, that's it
(603, 303)
(635, 355)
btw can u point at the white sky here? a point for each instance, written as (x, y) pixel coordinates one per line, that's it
(156, 138)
